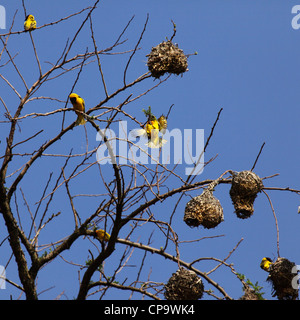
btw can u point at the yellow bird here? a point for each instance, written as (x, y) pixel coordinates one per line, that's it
(79, 105)
(29, 23)
(102, 235)
(152, 129)
(266, 264)
(163, 124)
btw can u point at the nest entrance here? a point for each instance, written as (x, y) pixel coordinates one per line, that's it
(203, 210)
(244, 189)
(166, 57)
(184, 285)
(281, 277)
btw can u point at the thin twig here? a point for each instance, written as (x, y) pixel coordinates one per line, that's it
(205, 147)
(174, 30)
(169, 110)
(98, 58)
(75, 214)
(35, 53)
(257, 156)
(135, 49)
(228, 256)
(276, 222)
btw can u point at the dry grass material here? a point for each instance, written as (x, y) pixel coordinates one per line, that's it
(244, 189)
(184, 285)
(281, 276)
(203, 210)
(166, 58)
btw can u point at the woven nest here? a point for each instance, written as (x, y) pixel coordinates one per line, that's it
(281, 277)
(203, 210)
(166, 58)
(184, 285)
(244, 189)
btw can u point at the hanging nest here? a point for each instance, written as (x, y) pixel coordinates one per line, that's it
(281, 277)
(203, 210)
(184, 285)
(166, 57)
(244, 189)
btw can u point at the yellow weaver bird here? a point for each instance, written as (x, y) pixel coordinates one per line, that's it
(102, 235)
(29, 23)
(152, 129)
(79, 105)
(266, 264)
(163, 124)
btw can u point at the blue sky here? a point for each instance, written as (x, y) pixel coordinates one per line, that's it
(247, 64)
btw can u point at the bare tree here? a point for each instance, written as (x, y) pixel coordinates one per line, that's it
(128, 190)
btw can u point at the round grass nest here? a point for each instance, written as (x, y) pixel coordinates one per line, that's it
(281, 278)
(184, 285)
(166, 58)
(244, 189)
(203, 210)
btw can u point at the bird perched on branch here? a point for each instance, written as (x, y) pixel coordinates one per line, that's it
(78, 105)
(152, 129)
(266, 264)
(102, 235)
(29, 23)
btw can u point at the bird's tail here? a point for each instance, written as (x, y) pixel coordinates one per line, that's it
(80, 120)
